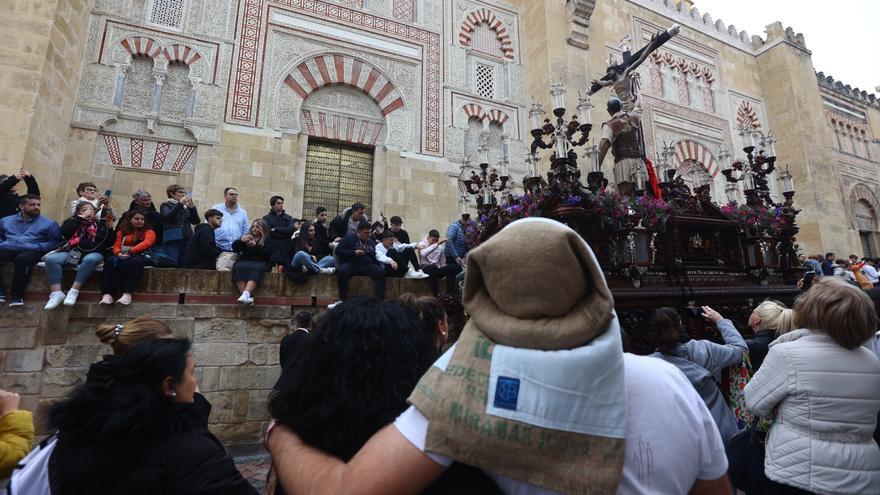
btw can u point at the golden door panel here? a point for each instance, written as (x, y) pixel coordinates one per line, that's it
(336, 177)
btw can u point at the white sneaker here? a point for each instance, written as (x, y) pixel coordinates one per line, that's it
(327, 271)
(70, 300)
(125, 300)
(421, 274)
(245, 299)
(333, 305)
(55, 299)
(106, 299)
(411, 273)
(248, 301)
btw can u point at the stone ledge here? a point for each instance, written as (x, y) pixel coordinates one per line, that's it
(166, 285)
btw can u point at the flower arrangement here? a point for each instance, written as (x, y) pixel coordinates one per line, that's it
(654, 213)
(757, 219)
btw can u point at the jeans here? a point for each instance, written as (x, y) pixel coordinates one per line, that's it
(346, 270)
(302, 258)
(125, 270)
(435, 273)
(55, 265)
(23, 263)
(173, 250)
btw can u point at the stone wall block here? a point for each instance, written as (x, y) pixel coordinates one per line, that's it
(219, 330)
(24, 316)
(65, 356)
(196, 311)
(258, 404)
(14, 337)
(264, 312)
(21, 383)
(184, 281)
(267, 331)
(246, 378)
(53, 326)
(263, 354)
(221, 407)
(25, 360)
(83, 331)
(182, 327)
(59, 382)
(226, 311)
(215, 354)
(150, 310)
(239, 404)
(209, 377)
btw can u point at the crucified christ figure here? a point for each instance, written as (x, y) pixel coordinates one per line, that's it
(619, 76)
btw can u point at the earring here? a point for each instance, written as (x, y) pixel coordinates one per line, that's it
(172, 394)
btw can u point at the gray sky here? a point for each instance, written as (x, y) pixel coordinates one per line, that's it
(843, 35)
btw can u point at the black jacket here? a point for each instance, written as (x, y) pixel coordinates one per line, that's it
(8, 200)
(402, 237)
(292, 346)
(122, 439)
(247, 253)
(322, 240)
(104, 237)
(175, 215)
(201, 251)
(280, 231)
(339, 225)
(349, 244)
(154, 219)
(759, 346)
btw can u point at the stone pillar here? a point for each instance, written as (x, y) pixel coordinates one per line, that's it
(299, 174)
(380, 163)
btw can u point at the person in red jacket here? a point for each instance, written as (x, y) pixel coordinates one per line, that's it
(126, 264)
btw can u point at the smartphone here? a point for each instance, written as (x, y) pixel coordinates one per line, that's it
(695, 312)
(107, 193)
(808, 279)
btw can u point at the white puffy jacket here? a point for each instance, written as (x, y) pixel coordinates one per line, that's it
(827, 399)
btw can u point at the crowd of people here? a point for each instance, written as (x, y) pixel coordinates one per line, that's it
(94, 238)
(538, 394)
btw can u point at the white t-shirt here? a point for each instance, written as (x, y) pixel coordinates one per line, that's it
(671, 438)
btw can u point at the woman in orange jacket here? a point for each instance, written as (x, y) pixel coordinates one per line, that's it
(126, 264)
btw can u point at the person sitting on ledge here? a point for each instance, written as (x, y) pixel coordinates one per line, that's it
(142, 201)
(357, 256)
(126, 264)
(179, 214)
(202, 250)
(253, 260)
(24, 238)
(88, 191)
(434, 263)
(305, 257)
(397, 257)
(88, 239)
(396, 227)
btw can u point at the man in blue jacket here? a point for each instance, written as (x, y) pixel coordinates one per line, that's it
(24, 238)
(456, 247)
(356, 255)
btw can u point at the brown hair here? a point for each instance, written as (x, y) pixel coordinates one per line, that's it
(83, 185)
(666, 324)
(173, 188)
(81, 205)
(842, 311)
(264, 227)
(122, 337)
(428, 309)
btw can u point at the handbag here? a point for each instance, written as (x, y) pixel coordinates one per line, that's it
(157, 258)
(745, 458)
(739, 378)
(74, 256)
(225, 261)
(172, 234)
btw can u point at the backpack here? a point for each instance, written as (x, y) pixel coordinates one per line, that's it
(31, 475)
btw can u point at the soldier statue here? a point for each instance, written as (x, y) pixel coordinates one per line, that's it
(621, 134)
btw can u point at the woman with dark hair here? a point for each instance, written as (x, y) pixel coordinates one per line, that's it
(354, 376)
(432, 315)
(135, 429)
(305, 253)
(253, 260)
(126, 264)
(701, 360)
(821, 386)
(88, 238)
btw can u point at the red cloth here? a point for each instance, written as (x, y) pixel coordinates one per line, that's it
(652, 179)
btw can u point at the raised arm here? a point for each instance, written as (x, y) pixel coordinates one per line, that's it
(388, 463)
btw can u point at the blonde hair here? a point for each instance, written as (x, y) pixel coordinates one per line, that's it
(775, 316)
(121, 337)
(840, 310)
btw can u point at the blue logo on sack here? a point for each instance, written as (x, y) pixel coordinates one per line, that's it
(506, 393)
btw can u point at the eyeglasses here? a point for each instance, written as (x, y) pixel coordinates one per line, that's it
(90, 189)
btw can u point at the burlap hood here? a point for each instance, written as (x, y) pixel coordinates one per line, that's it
(536, 296)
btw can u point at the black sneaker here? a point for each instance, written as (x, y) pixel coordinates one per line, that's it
(16, 301)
